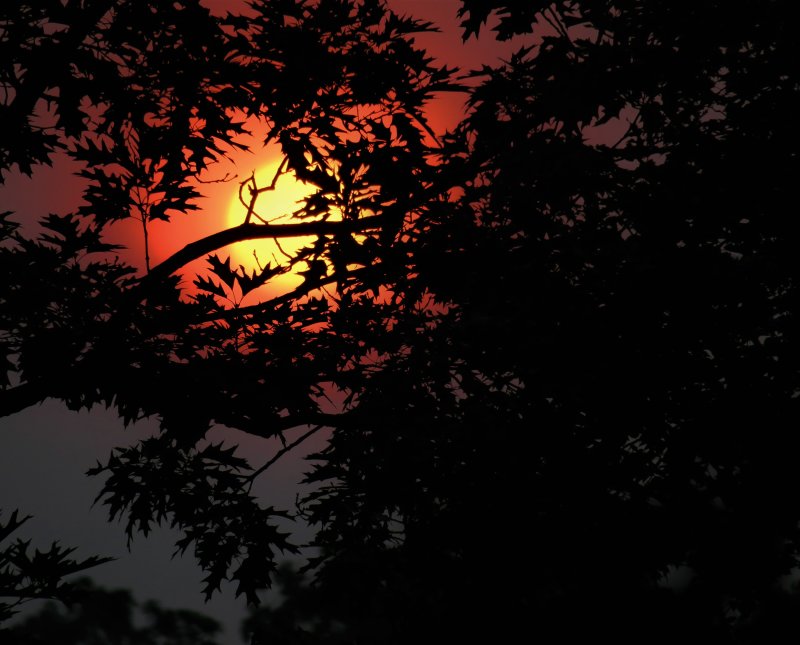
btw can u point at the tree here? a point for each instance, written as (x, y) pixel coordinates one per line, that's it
(111, 617)
(145, 104)
(564, 329)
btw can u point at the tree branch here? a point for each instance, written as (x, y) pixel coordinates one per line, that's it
(283, 451)
(243, 232)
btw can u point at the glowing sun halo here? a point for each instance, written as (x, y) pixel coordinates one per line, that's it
(273, 206)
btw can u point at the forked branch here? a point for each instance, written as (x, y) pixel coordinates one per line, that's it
(255, 191)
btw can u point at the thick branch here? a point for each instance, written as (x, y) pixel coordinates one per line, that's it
(276, 428)
(243, 232)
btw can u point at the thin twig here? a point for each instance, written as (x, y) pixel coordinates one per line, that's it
(255, 191)
(283, 451)
(223, 180)
(280, 248)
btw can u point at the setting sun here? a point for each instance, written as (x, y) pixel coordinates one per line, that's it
(280, 194)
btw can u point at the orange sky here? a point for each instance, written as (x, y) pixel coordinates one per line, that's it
(56, 189)
(220, 206)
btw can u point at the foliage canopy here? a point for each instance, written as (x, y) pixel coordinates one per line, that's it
(564, 332)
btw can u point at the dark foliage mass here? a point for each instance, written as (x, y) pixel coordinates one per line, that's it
(97, 616)
(562, 337)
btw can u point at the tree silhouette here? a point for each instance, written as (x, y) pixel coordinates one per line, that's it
(562, 334)
(97, 616)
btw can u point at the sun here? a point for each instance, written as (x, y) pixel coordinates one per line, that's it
(273, 206)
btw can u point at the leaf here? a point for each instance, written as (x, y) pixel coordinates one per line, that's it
(258, 278)
(12, 524)
(223, 271)
(210, 286)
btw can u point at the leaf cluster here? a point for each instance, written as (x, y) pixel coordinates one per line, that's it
(204, 493)
(27, 574)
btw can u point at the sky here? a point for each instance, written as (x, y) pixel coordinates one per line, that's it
(45, 450)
